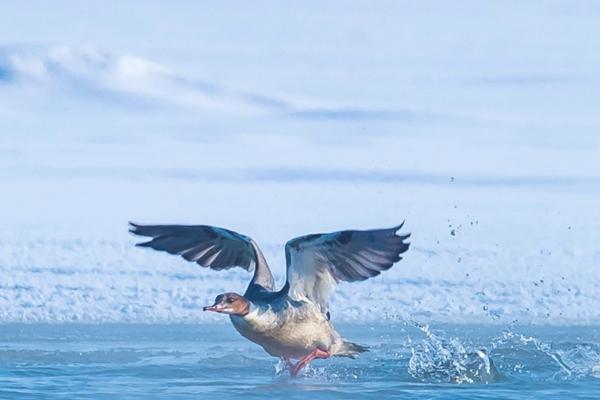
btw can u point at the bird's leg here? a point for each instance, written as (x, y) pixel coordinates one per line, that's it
(303, 362)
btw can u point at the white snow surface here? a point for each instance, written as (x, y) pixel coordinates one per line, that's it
(475, 122)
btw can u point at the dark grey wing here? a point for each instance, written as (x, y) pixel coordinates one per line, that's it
(316, 263)
(208, 246)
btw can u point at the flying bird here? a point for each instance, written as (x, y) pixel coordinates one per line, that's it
(292, 323)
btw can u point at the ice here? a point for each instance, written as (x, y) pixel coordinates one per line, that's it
(483, 140)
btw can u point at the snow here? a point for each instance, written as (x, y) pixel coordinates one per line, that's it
(477, 124)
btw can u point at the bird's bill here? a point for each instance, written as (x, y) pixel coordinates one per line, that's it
(213, 308)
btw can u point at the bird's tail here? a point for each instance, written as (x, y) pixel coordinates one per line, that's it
(350, 349)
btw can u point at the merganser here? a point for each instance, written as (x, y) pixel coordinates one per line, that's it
(294, 322)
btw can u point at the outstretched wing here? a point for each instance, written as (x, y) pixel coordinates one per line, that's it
(208, 246)
(316, 263)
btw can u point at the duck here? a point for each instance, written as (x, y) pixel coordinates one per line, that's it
(293, 323)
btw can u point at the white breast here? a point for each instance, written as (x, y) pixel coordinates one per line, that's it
(292, 332)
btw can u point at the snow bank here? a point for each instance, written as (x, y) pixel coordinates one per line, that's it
(483, 136)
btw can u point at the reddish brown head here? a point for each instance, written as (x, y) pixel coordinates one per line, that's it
(230, 303)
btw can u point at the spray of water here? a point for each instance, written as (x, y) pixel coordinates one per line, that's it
(447, 360)
(439, 358)
(565, 361)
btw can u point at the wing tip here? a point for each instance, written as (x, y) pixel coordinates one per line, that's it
(404, 246)
(134, 227)
(137, 229)
(398, 227)
(402, 237)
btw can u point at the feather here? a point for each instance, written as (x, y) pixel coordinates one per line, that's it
(210, 247)
(317, 262)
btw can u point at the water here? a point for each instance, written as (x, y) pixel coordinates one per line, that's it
(476, 122)
(310, 118)
(408, 360)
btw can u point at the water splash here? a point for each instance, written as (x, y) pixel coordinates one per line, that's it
(565, 361)
(446, 360)
(282, 368)
(439, 358)
(327, 373)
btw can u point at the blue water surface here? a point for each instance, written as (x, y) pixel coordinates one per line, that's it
(407, 360)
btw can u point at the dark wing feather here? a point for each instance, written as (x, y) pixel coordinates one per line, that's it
(208, 246)
(317, 262)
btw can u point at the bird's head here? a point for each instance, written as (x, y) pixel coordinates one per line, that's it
(230, 303)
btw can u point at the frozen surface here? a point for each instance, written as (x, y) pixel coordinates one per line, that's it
(476, 122)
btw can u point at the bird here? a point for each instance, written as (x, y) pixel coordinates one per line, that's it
(293, 323)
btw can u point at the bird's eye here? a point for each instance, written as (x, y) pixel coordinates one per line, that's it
(230, 300)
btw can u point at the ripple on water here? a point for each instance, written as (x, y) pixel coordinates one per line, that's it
(411, 360)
